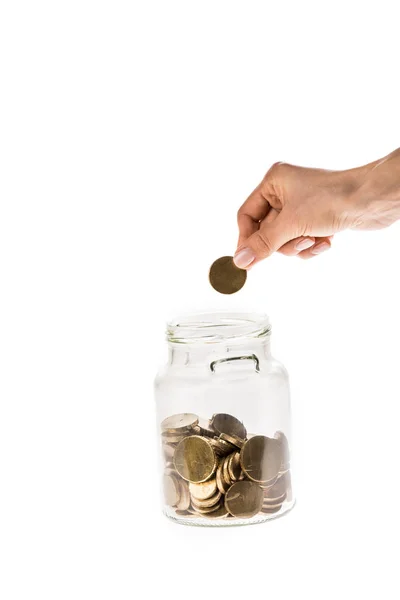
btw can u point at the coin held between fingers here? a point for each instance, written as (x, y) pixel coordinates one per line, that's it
(225, 277)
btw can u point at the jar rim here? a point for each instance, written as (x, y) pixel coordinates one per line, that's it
(214, 327)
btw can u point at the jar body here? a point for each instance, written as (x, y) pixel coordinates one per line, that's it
(221, 394)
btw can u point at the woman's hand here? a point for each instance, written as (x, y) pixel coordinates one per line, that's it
(297, 211)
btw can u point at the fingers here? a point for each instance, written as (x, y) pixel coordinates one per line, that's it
(254, 210)
(297, 246)
(270, 236)
(303, 247)
(306, 247)
(322, 244)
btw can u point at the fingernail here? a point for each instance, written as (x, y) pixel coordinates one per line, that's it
(319, 248)
(304, 244)
(244, 257)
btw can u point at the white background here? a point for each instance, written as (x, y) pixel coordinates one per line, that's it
(130, 134)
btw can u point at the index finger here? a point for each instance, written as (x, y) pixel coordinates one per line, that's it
(254, 210)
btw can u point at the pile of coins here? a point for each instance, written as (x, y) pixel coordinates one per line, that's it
(215, 469)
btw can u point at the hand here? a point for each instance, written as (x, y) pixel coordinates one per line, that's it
(296, 211)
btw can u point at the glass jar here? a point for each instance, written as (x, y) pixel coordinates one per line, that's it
(224, 423)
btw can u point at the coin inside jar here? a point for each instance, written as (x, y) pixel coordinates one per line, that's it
(260, 458)
(171, 490)
(288, 481)
(195, 459)
(208, 502)
(232, 439)
(179, 423)
(169, 451)
(221, 483)
(225, 277)
(244, 499)
(285, 453)
(171, 438)
(219, 513)
(225, 423)
(170, 471)
(225, 472)
(207, 509)
(202, 491)
(234, 468)
(268, 502)
(221, 447)
(268, 484)
(184, 496)
(205, 428)
(271, 510)
(278, 489)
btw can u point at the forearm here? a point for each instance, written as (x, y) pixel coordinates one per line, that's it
(376, 197)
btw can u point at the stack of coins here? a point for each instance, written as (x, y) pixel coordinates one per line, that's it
(174, 429)
(214, 469)
(275, 495)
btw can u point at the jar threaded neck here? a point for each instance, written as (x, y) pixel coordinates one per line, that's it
(217, 327)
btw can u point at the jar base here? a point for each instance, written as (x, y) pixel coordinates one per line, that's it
(198, 521)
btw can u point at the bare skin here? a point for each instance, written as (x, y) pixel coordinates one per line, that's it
(296, 211)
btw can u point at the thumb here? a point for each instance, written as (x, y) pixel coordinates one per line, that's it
(264, 242)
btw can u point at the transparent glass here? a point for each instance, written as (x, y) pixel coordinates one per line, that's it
(224, 422)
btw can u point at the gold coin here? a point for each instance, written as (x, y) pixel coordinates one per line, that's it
(267, 484)
(192, 512)
(288, 480)
(232, 439)
(270, 511)
(285, 453)
(226, 277)
(171, 490)
(272, 504)
(220, 513)
(170, 471)
(169, 451)
(222, 486)
(224, 423)
(179, 423)
(225, 472)
(182, 513)
(195, 459)
(184, 496)
(244, 499)
(278, 489)
(173, 438)
(202, 491)
(234, 468)
(272, 501)
(269, 503)
(205, 509)
(205, 428)
(221, 447)
(208, 502)
(260, 458)
(205, 432)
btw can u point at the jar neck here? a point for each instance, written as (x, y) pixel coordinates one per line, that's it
(203, 338)
(198, 354)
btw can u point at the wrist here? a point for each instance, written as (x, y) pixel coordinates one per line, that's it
(375, 198)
